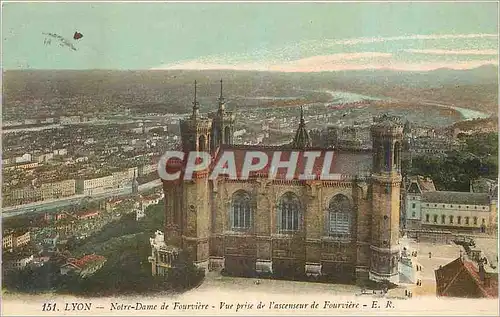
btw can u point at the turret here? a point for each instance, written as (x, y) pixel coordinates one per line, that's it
(195, 131)
(187, 205)
(223, 123)
(387, 135)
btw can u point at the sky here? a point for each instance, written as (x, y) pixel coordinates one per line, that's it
(286, 37)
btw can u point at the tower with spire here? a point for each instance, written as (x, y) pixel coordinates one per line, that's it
(223, 123)
(301, 139)
(196, 130)
(186, 225)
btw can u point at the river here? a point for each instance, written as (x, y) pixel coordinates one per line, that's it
(340, 97)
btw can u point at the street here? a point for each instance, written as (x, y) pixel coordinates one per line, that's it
(66, 201)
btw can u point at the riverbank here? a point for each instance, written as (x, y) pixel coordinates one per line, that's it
(61, 202)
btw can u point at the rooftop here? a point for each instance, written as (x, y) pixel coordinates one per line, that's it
(347, 163)
(86, 261)
(460, 272)
(465, 198)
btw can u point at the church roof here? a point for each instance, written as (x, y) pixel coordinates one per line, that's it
(464, 198)
(345, 163)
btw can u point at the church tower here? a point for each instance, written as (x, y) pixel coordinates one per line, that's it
(195, 131)
(301, 139)
(187, 207)
(223, 123)
(387, 137)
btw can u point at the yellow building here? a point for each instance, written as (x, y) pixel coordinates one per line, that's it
(15, 240)
(123, 178)
(46, 191)
(7, 241)
(96, 185)
(465, 212)
(24, 166)
(58, 189)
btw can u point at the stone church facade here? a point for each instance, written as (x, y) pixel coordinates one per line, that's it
(345, 229)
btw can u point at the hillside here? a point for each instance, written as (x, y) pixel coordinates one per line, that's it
(172, 91)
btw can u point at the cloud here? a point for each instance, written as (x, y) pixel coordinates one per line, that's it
(200, 65)
(289, 59)
(367, 40)
(423, 67)
(314, 63)
(452, 52)
(335, 62)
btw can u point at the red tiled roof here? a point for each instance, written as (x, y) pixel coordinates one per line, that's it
(115, 200)
(86, 214)
(86, 260)
(344, 163)
(490, 290)
(447, 275)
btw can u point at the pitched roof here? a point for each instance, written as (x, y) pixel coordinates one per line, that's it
(445, 275)
(414, 188)
(346, 163)
(464, 198)
(419, 184)
(86, 261)
(459, 273)
(490, 290)
(426, 184)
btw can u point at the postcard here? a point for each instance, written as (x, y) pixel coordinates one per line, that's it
(249, 158)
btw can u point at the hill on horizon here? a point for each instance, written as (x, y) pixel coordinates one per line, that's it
(475, 89)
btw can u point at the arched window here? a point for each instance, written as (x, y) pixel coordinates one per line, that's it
(288, 213)
(451, 219)
(227, 135)
(241, 211)
(443, 219)
(459, 220)
(435, 218)
(466, 220)
(427, 218)
(377, 154)
(397, 155)
(202, 143)
(387, 155)
(339, 216)
(475, 220)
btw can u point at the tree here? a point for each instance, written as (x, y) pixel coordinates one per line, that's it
(456, 170)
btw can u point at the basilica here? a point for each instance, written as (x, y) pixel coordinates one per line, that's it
(342, 228)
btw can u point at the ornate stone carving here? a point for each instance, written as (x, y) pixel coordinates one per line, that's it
(263, 186)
